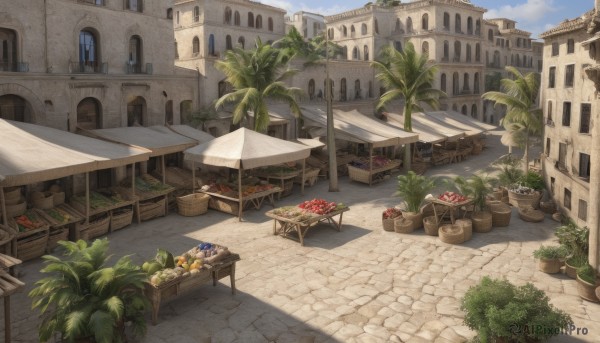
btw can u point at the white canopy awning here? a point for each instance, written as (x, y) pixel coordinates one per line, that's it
(470, 126)
(31, 153)
(313, 143)
(426, 135)
(186, 131)
(246, 149)
(376, 126)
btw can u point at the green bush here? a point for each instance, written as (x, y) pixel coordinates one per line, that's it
(499, 309)
(476, 187)
(587, 273)
(533, 180)
(574, 238)
(413, 189)
(550, 252)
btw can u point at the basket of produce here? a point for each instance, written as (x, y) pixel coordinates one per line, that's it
(29, 221)
(431, 225)
(451, 234)
(152, 209)
(193, 204)
(32, 246)
(388, 216)
(501, 214)
(120, 218)
(403, 225)
(96, 227)
(529, 214)
(16, 209)
(524, 196)
(6, 236)
(12, 196)
(55, 235)
(467, 226)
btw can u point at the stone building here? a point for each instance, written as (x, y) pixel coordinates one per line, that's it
(92, 63)
(569, 96)
(308, 24)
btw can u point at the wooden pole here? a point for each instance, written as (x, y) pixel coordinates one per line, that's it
(193, 177)
(164, 171)
(241, 202)
(7, 332)
(87, 198)
(303, 175)
(3, 207)
(137, 200)
(370, 163)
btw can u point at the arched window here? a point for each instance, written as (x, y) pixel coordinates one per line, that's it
(89, 55)
(195, 46)
(469, 25)
(228, 43)
(524, 61)
(425, 22)
(443, 82)
(398, 27)
(89, 114)
(227, 16)
(549, 111)
(474, 113)
(468, 52)
(169, 13)
(446, 51)
(330, 33)
(211, 45)
(237, 21)
(457, 24)
(355, 54)
(352, 31)
(398, 46)
(344, 31)
(136, 111)
(134, 62)
(518, 60)
(478, 27)
(455, 84)
(185, 111)
(409, 25)
(242, 42)
(134, 5)
(457, 51)
(446, 21)
(363, 29)
(477, 52)
(376, 27)
(343, 93)
(466, 82)
(270, 24)
(345, 52)
(250, 19)
(476, 83)
(464, 109)
(425, 48)
(196, 14)
(357, 90)
(366, 53)
(259, 21)
(311, 89)
(491, 35)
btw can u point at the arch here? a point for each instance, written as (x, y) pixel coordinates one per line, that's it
(135, 57)
(469, 26)
(242, 42)
(457, 51)
(352, 31)
(227, 15)
(476, 83)
(398, 46)
(9, 53)
(466, 81)
(89, 114)
(366, 53)
(474, 113)
(89, 50)
(250, 19)
(363, 29)
(311, 89)
(468, 52)
(34, 107)
(457, 24)
(454, 108)
(355, 53)
(409, 25)
(446, 51)
(443, 82)
(376, 27)
(330, 33)
(211, 45)
(343, 92)
(455, 84)
(228, 43)
(425, 22)
(169, 112)
(344, 31)
(345, 52)
(136, 111)
(270, 24)
(425, 48)
(446, 21)
(464, 110)
(478, 27)
(195, 46)
(524, 63)
(491, 35)
(237, 21)
(477, 52)
(357, 90)
(398, 27)
(196, 14)
(259, 21)
(15, 108)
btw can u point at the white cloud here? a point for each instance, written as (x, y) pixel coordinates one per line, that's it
(530, 11)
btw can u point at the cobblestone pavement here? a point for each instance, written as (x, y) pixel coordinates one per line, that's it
(358, 285)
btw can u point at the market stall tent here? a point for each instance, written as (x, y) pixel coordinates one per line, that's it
(247, 149)
(186, 131)
(470, 126)
(426, 134)
(376, 126)
(427, 124)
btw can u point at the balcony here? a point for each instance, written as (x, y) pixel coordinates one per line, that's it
(16, 67)
(136, 68)
(92, 67)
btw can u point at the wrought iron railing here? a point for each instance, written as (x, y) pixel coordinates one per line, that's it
(90, 67)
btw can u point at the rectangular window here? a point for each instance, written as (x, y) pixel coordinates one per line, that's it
(566, 119)
(554, 49)
(584, 166)
(569, 75)
(584, 121)
(547, 146)
(562, 154)
(567, 199)
(582, 212)
(552, 182)
(552, 77)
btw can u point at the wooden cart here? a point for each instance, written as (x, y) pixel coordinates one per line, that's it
(444, 209)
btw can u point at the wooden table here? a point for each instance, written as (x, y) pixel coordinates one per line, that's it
(282, 178)
(288, 226)
(182, 285)
(448, 208)
(8, 286)
(255, 199)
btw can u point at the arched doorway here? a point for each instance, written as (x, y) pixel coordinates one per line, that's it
(136, 111)
(13, 107)
(311, 89)
(464, 110)
(89, 114)
(185, 111)
(343, 93)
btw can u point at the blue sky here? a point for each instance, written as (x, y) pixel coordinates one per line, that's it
(534, 16)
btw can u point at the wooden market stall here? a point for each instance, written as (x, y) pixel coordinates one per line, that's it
(355, 127)
(244, 149)
(31, 154)
(473, 128)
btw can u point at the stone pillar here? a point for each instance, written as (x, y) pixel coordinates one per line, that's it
(594, 198)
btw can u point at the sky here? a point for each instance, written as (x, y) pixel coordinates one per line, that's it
(535, 16)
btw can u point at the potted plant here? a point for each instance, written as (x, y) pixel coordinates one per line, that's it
(502, 312)
(587, 283)
(413, 189)
(477, 187)
(550, 258)
(576, 242)
(510, 174)
(85, 300)
(388, 216)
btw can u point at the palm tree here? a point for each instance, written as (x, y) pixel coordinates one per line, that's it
(407, 75)
(313, 51)
(257, 75)
(519, 95)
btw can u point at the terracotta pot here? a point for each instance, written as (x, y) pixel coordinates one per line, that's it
(551, 266)
(587, 290)
(417, 219)
(570, 271)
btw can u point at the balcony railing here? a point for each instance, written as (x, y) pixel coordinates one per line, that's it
(19, 67)
(91, 67)
(136, 68)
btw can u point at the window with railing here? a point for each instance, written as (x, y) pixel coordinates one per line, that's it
(134, 5)
(584, 121)
(566, 118)
(569, 75)
(562, 156)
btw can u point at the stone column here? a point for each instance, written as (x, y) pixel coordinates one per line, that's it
(594, 197)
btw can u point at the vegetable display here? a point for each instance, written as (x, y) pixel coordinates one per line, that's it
(59, 215)
(391, 212)
(308, 209)
(247, 190)
(147, 183)
(318, 206)
(452, 197)
(378, 162)
(30, 220)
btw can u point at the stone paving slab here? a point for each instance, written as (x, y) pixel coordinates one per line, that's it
(358, 285)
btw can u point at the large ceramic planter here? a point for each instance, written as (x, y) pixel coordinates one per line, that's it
(482, 221)
(524, 200)
(551, 266)
(416, 217)
(586, 290)
(570, 271)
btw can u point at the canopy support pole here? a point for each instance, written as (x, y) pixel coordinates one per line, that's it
(193, 177)
(3, 207)
(87, 199)
(303, 175)
(164, 171)
(241, 201)
(137, 201)
(370, 164)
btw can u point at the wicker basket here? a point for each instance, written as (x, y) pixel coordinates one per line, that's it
(193, 204)
(12, 197)
(501, 214)
(288, 188)
(6, 236)
(403, 225)
(467, 226)
(58, 198)
(95, 228)
(388, 224)
(151, 209)
(528, 214)
(519, 200)
(497, 194)
(416, 218)
(32, 246)
(224, 205)
(482, 221)
(548, 207)
(55, 235)
(431, 225)
(16, 210)
(311, 175)
(451, 234)
(44, 203)
(120, 219)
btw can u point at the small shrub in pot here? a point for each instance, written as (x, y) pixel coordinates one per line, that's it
(550, 258)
